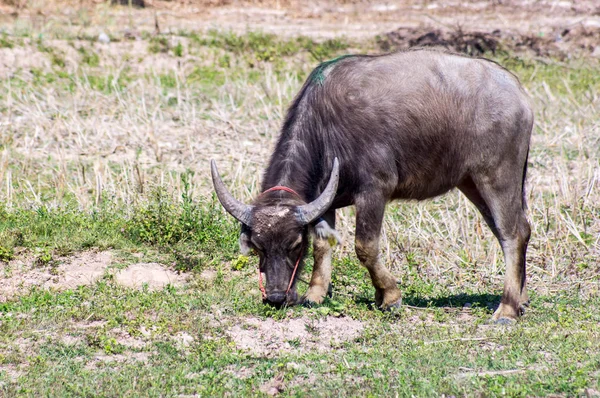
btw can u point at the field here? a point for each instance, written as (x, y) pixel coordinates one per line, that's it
(120, 273)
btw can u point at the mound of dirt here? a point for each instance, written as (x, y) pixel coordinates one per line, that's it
(561, 43)
(81, 269)
(270, 337)
(473, 43)
(153, 275)
(85, 268)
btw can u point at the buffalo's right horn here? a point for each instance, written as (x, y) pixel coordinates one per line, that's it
(242, 212)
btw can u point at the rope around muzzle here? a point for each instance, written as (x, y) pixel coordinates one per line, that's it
(260, 281)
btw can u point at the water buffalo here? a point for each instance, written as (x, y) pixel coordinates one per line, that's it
(365, 130)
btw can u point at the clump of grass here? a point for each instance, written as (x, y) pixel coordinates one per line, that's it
(5, 42)
(101, 340)
(6, 254)
(56, 57)
(89, 56)
(187, 228)
(44, 258)
(158, 44)
(178, 50)
(206, 75)
(195, 234)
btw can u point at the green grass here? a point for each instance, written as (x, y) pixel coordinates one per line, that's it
(89, 56)
(193, 235)
(5, 41)
(422, 350)
(428, 348)
(269, 47)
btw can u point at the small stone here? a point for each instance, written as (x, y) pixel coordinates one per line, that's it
(184, 339)
(294, 366)
(103, 38)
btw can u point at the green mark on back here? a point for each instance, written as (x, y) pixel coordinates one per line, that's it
(318, 75)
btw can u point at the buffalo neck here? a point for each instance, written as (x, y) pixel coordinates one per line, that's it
(290, 170)
(304, 152)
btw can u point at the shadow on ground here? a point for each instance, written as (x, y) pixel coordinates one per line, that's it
(485, 300)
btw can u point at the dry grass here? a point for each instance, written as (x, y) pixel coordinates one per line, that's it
(144, 121)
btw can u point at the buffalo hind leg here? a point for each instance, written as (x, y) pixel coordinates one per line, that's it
(502, 209)
(369, 218)
(322, 250)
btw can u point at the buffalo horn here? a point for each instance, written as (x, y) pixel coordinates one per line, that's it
(242, 212)
(315, 209)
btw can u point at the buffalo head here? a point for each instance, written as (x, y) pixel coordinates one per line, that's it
(276, 227)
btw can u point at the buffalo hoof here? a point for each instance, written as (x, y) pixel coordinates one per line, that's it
(309, 303)
(310, 299)
(506, 314)
(394, 307)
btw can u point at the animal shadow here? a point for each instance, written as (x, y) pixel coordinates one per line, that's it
(481, 300)
(485, 300)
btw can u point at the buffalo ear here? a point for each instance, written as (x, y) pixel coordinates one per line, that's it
(322, 230)
(245, 245)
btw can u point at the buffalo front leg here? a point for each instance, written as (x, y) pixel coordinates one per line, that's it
(369, 218)
(321, 277)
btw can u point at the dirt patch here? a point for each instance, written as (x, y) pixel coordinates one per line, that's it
(68, 339)
(183, 340)
(580, 39)
(127, 340)
(270, 338)
(26, 58)
(12, 371)
(152, 275)
(241, 373)
(274, 386)
(85, 268)
(128, 357)
(81, 269)
(90, 325)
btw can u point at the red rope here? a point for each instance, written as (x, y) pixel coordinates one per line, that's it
(260, 281)
(260, 285)
(281, 188)
(295, 269)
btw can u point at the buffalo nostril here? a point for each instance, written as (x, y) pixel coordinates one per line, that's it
(276, 298)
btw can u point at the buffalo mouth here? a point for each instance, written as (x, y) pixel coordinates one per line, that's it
(281, 299)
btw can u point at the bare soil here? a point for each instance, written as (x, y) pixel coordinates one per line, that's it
(152, 275)
(562, 42)
(546, 27)
(81, 269)
(84, 268)
(269, 337)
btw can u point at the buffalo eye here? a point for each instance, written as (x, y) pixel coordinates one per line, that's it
(296, 243)
(256, 247)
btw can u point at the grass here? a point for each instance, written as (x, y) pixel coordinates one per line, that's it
(110, 153)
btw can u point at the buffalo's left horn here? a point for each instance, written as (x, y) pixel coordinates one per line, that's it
(242, 212)
(315, 209)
